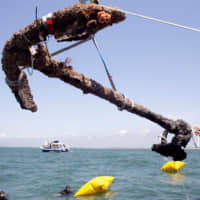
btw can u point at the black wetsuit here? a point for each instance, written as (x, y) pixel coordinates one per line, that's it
(175, 148)
(65, 192)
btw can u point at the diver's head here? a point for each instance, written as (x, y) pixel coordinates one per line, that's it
(67, 188)
(3, 195)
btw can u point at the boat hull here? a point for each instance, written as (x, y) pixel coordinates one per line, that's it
(54, 146)
(54, 150)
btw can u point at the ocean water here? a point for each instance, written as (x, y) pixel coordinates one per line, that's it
(28, 174)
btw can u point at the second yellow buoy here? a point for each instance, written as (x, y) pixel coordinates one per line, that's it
(172, 166)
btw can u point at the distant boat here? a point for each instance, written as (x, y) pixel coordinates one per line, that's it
(54, 146)
(196, 140)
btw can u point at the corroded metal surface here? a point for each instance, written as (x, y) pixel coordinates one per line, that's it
(74, 23)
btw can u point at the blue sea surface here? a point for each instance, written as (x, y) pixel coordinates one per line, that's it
(29, 174)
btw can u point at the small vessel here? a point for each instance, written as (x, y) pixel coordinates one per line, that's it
(196, 140)
(54, 146)
(196, 137)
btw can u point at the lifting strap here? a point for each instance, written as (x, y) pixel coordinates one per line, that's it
(104, 63)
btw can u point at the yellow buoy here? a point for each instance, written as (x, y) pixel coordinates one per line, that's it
(95, 185)
(172, 166)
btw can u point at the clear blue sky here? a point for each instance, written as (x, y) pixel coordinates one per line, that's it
(153, 64)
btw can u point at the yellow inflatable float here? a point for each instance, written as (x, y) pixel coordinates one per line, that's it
(172, 166)
(95, 185)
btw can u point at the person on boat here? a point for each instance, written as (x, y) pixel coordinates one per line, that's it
(3, 195)
(175, 148)
(95, 1)
(89, 1)
(66, 191)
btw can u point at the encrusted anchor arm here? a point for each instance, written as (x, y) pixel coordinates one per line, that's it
(76, 22)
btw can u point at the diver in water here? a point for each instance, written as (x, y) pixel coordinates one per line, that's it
(3, 195)
(66, 191)
(175, 148)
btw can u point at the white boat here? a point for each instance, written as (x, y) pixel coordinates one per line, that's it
(54, 146)
(196, 141)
